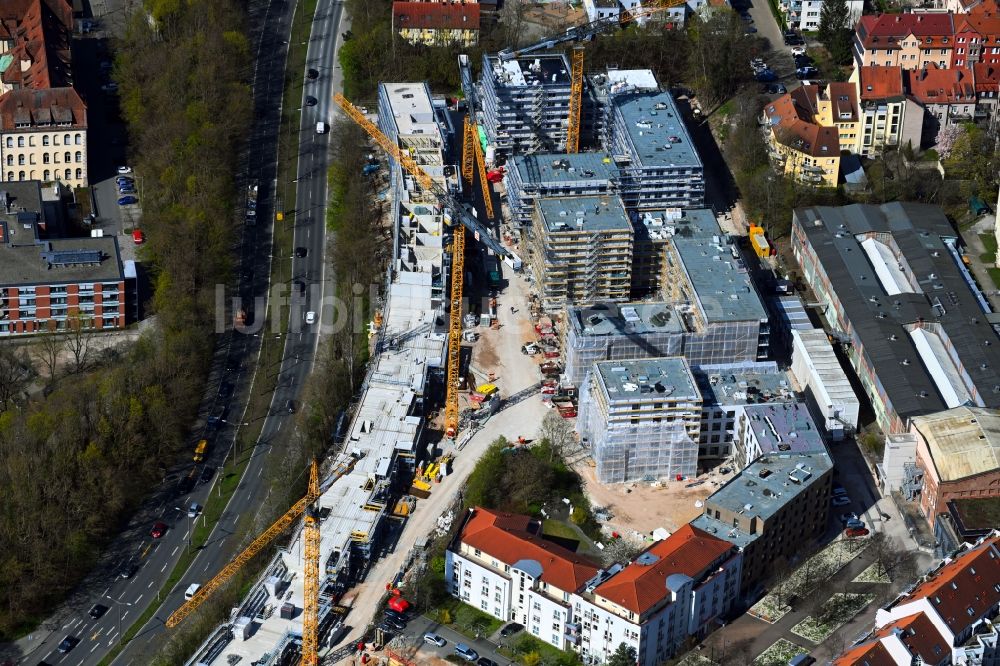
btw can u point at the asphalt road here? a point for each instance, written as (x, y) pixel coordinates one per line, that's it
(127, 598)
(416, 648)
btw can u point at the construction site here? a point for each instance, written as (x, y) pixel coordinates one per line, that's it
(470, 344)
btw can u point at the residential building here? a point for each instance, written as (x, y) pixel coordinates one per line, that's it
(437, 22)
(601, 9)
(725, 390)
(49, 283)
(910, 41)
(948, 97)
(713, 313)
(807, 129)
(501, 564)
(977, 38)
(888, 117)
(803, 15)
(525, 102)
(948, 617)
(43, 121)
(817, 370)
(529, 177)
(764, 430)
(772, 509)
(641, 419)
(898, 294)
(987, 81)
(604, 86)
(581, 250)
(660, 167)
(674, 590)
(958, 452)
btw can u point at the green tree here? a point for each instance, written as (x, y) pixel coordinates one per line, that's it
(719, 53)
(625, 655)
(835, 31)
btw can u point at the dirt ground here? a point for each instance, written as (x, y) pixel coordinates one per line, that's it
(639, 508)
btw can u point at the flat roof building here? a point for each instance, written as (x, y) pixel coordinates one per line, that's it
(525, 101)
(774, 507)
(581, 250)
(529, 177)
(817, 370)
(762, 430)
(919, 332)
(659, 163)
(641, 419)
(50, 284)
(725, 390)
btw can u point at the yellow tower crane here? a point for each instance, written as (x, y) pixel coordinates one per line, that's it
(468, 151)
(457, 247)
(310, 615)
(575, 102)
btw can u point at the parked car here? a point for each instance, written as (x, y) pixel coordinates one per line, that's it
(68, 644)
(486, 661)
(802, 61)
(194, 510)
(124, 180)
(396, 615)
(138, 237)
(749, 30)
(124, 169)
(766, 75)
(127, 200)
(206, 474)
(394, 623)
(793, 38)
(806, 72)
(97, 610)
(311, 101)
(159, 529)
(839, 489)
(840, 500)
(798, 50)
(128, 569)
(511, 629)
(466, 652)
(310, 317)
(775, 89)
(127, 188)
(853, 532)
(854, 523)
(433, 639)
(110, 87)
(847, 517)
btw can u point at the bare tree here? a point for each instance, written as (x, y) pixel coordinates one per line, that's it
(559, 434)
(620, 551)
(15, 373)
(46, 351)
(78, 342)
(512, 16)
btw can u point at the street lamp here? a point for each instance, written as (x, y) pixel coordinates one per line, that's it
(119, 604)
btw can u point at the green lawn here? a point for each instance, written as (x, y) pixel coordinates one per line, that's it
(557, 528)
(980, 512)
(524, 644)
(994, 275)
(989, 242)
(465, 619)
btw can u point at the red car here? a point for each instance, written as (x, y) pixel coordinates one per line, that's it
(856, 532)
(159, 529)
(138, 237)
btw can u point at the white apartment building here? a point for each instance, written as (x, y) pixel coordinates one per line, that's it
(500, 564)
(804, 14)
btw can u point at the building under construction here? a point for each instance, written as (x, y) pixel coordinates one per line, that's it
(375, 467)
(525, 101)
(581, 250)
(641, 419)
(530, 177)
(712, 313)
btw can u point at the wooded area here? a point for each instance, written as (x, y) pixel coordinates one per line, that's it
(74, 464)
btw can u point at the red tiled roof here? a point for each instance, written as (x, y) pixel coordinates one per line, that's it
(987, 77)
(955, 590)
(511, 538)
(866, 654)
(920, 637)
(41, 32)
(28, 108)
(931, 85)
(791, 118)
(886, 30)
(880, 82)
(435, 15)
(844, 98)
(688, 551)
(982, 22)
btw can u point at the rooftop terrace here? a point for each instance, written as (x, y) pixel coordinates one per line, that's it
(625, 319)
(563, 168)
(743, 384)
(656, 130)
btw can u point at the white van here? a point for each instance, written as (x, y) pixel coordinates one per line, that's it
(192, 590)
(320, 128)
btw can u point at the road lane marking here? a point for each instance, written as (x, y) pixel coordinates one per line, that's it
(126, 613)
(259, 472)
(176, 548)
(96, 645)
(138, 598)
(106, 592)
(163, 569)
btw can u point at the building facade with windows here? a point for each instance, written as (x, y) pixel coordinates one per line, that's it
(888, 118)
(910, 41)
(437, 22)
(54, 284)
(501, 564)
